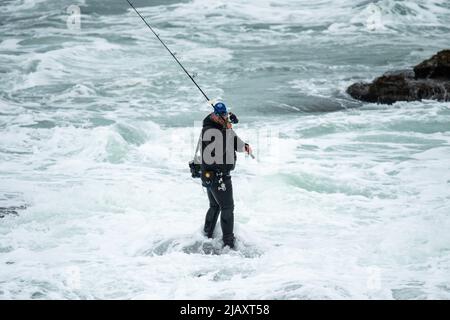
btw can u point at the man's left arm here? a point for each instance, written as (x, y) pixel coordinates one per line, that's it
(239, 145)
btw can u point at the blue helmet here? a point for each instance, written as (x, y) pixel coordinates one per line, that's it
(220, 108)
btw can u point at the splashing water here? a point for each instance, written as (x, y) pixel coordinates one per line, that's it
(97, 127)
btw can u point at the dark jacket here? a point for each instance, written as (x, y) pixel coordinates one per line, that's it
(219, 155)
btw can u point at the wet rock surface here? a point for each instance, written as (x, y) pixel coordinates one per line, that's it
(13, 210)
(428, 80)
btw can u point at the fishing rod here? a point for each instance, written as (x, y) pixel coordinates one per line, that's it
(171, 53)
(176, 59)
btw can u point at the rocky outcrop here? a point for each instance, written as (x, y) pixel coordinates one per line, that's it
(428, 80)
(4, 211)
(437, 67)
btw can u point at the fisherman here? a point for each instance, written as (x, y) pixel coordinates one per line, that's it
(218, 149)
(219, 144)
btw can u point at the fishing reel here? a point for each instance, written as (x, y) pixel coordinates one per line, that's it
(232, 118)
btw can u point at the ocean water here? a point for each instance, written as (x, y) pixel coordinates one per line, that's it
(345, 200)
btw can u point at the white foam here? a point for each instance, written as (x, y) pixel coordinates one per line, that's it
(9, 44)
(96, 136)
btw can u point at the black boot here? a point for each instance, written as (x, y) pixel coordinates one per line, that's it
(229, 240)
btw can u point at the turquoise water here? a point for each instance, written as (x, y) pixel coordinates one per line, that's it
(345, 200)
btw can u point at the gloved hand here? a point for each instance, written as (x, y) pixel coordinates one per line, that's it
(248, 149)
(233, 118)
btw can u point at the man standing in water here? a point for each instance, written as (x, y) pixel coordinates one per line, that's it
(218, 149)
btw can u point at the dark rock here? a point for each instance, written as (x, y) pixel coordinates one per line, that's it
(437, 67)
(11, 210)
(429, 80)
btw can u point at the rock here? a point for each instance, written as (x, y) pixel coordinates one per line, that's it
(437, 67)
(428, 80)
(11, 210)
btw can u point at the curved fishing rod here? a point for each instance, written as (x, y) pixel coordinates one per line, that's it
(173, 55)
